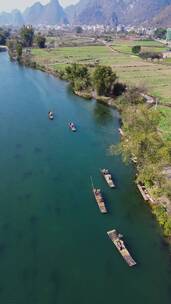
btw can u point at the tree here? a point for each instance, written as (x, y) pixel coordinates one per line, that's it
(132, 96)
(151, 55)
(160, 33)
(119, 89)
(79, 76)
(104, 79)
(40, 41)
(12, 44)
(4, 35)
(136, 49)
(142, 139)
(79, 30)
(19, 51)
(27, 36)
(167, 227)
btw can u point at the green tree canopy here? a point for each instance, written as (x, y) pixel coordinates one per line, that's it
(40, 41)
(19, 50)
(143, 140)
(79, 76)
(160, 33)
(79, 30)
(4, 35)
(27, 36)
(104, 79)
(136, 49)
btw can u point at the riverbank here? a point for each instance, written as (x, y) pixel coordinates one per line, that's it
(159, 207)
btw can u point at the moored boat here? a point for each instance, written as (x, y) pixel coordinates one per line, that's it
(121, 132)
(50, 115)
(108, 178)
(99, 199)
(72, 127)
(116, 238)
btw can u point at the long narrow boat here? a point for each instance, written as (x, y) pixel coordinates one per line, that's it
(116, 238)
(99, 199)
(108, 177)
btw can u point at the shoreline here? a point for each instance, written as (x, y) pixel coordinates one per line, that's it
(110, 102)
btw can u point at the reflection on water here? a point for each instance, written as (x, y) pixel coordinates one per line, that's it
(102, 115)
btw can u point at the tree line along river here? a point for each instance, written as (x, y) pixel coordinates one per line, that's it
(54, 246)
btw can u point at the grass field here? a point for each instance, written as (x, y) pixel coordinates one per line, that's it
(131, 69)
(146, 45)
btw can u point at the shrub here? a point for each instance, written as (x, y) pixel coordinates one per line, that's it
(136, 49)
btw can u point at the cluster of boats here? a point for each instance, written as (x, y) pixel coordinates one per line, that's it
(71, 125)
(97, 192)
(115, 237)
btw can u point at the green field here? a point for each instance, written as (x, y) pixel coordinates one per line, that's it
(131, 69)
(146, 45)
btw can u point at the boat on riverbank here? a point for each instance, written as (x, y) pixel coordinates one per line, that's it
(116, 238)
(108, 177)
(146, 196)
(72, 126)
(99, 199)
(121, 132)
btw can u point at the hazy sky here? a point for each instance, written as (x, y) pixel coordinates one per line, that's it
(8, 5)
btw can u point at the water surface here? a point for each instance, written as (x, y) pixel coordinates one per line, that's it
(53, 243)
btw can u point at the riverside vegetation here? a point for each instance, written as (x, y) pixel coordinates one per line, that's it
(141, 123)
(142, 138)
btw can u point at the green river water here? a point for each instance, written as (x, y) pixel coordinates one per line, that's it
(54, 247)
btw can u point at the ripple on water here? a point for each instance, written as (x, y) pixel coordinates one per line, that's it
(19, 198)
(109, 268)
(28, 196)
(55, 278)
(57, 211)
(19, 236)
(55, 178)
(18, 146)
(5, 226)
(33, 219)
(27, 174)
(3, 248)
(17, 156)
(37, 150)
(48, 159)
(28, 274)
(34, 243)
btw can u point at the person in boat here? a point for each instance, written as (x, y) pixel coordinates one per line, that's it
(120, 245)
(50, 115)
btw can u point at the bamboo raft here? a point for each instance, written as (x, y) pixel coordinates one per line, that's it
(108, 177)
(116, 238)
(99, 199)
(146, 196)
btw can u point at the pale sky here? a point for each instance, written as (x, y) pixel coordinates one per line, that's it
(8, 5)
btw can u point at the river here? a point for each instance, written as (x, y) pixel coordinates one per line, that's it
(54, 247)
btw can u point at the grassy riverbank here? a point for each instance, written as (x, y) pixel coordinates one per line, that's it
(131, 69)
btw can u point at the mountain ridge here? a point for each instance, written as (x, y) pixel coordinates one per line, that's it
(91, 12)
